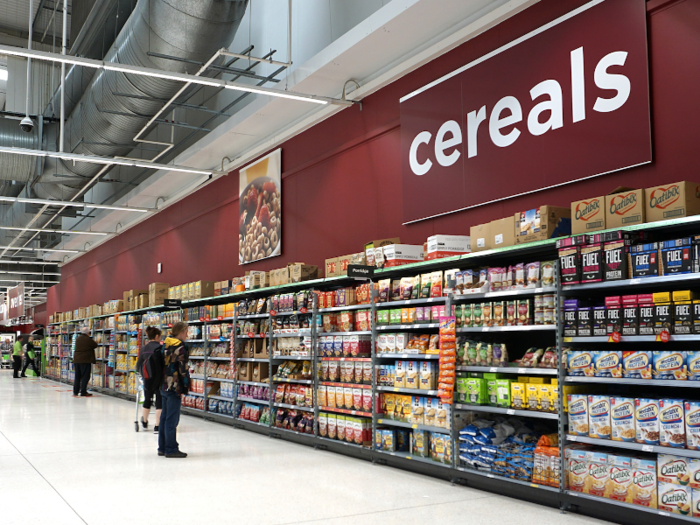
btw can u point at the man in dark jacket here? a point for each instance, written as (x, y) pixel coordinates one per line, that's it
(83, 359)
(150, 367)
(176, 382)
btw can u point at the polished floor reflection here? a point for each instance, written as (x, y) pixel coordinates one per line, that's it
(68, 461)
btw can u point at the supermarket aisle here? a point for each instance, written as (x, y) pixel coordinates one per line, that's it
(67, 461)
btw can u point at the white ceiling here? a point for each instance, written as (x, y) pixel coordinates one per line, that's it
(396, 38)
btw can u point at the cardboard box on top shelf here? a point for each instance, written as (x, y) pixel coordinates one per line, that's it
(346, 260)
(502, 232)
(441, 246)
(333, 267)
(217, 288)
(257, 280)
(158, 288)
(226, 287)
(299, 272)
(588, 215)
(143, 301)
(190, 291)
(370, 247)
(480, 236)
(238, 284)
(538, 224)
(125, 296)
(400, 254)
(670, 201)
(173, 292)
(624, 207)
(202, 289)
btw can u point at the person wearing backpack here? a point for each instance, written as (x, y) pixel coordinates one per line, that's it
(176, 383)
(150, 366)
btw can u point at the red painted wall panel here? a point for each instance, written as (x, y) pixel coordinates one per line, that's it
(342, 178)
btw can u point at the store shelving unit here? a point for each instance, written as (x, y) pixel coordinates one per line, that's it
(544, 250)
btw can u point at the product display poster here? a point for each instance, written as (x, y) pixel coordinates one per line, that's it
(3, 309)
(260, 209)
(566, 102)
(16, 301)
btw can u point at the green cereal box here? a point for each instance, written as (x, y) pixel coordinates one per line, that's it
(462, 389)
(467, 315)
(382, 317)
(477, 391)
(394, 316)
(491, 388)
(503, 392)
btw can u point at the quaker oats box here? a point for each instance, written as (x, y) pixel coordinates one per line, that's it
(672, 423)
(637, 364)
(599, 417)
(692, 425)
(622, 419)
(644, 482)
(646, 421)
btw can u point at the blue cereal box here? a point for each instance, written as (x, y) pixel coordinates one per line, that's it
(646, 420)
(692, 361)
(622, 417)
(637, 364)
(672, 423)
(608, 363)
(670, 365)
(580, 363)
(599, 417)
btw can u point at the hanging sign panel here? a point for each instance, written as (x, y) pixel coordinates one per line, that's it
(566, 102)
(16, 301)
(260, 209)
(3, 309)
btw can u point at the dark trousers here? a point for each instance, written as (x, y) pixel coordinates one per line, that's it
(16, 365)
(82, 376)
(169, 419)
(31, 364)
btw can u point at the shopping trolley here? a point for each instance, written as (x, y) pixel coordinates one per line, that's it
(5, 358)
(140, 397)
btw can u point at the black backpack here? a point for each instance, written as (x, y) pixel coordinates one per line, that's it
(152, 367)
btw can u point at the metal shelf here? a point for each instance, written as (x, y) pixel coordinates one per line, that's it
(298, 381)
(295, 312)
(634, 446)
(252, 316)
(356, 332)
(663, 280)
(523, 328)
(293, 407)
(220, 398)
(346, 443)
(344, 308)
(407, 356)
(393, 327)
(252, 359)
(195, 394)
(278, 335)
(631, 338)
(508, 370)
(348, 385)
(508, 411)
(505, 293)
(221, 379)
(408, 302)
(219, 358)
(196, 357)
(346, 411)
(355, 359)
(633, 507)
(253, 383)
(415, 426)
(413, 457)
(510, 480)
(256, 336)
(292, 358)
(627, 381)
(407, 390)
(251, 400)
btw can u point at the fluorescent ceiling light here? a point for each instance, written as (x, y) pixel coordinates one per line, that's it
(3, 74)
(28, 273)
(26, 281)
(74, 204)
(40, 263)
(38, 249)
(75, 232)
(156, 73)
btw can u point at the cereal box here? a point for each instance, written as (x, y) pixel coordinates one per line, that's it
(598, 473)
(544, 398)
(518, 395)
(646, 420)
(430, 412)
(636, 364)
(672, 423)
(477, 391)
(578, 414)
(599, 417)
(674, 498)
(577, 469)
(672, 469)
(692, 425)
(622, 418)
(669, 365)
(619, 485)
(407, 404)
(692, 360)
(400, 377)
(644, 482)
(532, 393)
(412, 374)
(580, 363)
(417, 410)
(694, 473)
(607, 363)
(696, 502)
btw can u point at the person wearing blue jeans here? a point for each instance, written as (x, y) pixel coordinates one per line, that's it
(176, 383)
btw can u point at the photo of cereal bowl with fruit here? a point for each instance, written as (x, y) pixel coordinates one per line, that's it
(259, 222)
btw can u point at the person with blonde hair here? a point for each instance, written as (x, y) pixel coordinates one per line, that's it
(176, 383)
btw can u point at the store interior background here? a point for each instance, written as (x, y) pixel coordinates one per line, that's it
(342, 177)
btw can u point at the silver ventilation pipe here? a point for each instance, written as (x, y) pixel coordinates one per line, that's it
(190, 29)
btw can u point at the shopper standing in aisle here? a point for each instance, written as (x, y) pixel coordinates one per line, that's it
(29, 358)
(150, 366)
(83, 359)
(176, 382)
(17, 357)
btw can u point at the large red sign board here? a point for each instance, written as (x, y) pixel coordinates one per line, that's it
(567, 102)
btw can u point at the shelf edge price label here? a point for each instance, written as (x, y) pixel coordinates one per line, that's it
(493, 369)
(572, 438)
(647, 448)
(302, 310)
(522, 370)
(251, 335)
(219, 318)
(663, 337)
(510, 412)
(635, 281)
(273, 313)
(665, 514)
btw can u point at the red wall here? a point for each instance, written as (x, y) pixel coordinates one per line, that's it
(342, 178)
